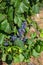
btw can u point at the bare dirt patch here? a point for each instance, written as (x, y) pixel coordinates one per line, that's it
(39, 19)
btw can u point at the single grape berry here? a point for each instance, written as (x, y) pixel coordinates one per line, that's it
(24, 39)
(6, 44)
(21, 31)
(13, 38)
(24, 25)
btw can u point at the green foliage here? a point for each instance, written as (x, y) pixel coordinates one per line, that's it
(19, 43)
(12, 14)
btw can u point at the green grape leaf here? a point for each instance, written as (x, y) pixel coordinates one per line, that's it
(10, 14)
(21, 57)
(2, 5)
(5, 26)
(1, 38)
(2, 17)
(41, 48)
(34, 53)
(19, 43)
(41, 35)
(18, 58)
(18, 20)
(38, 49)
(4, 57)
(15, 30)
(35, 8)
(33, 35)
(22, 8)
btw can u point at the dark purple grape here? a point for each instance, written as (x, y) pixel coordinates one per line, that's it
(21, 31)
(13, 38)
(24, 39)
(24, 25)
(6, 44)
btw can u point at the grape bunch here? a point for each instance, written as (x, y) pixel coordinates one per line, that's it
(20, 35)
(21, 30)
